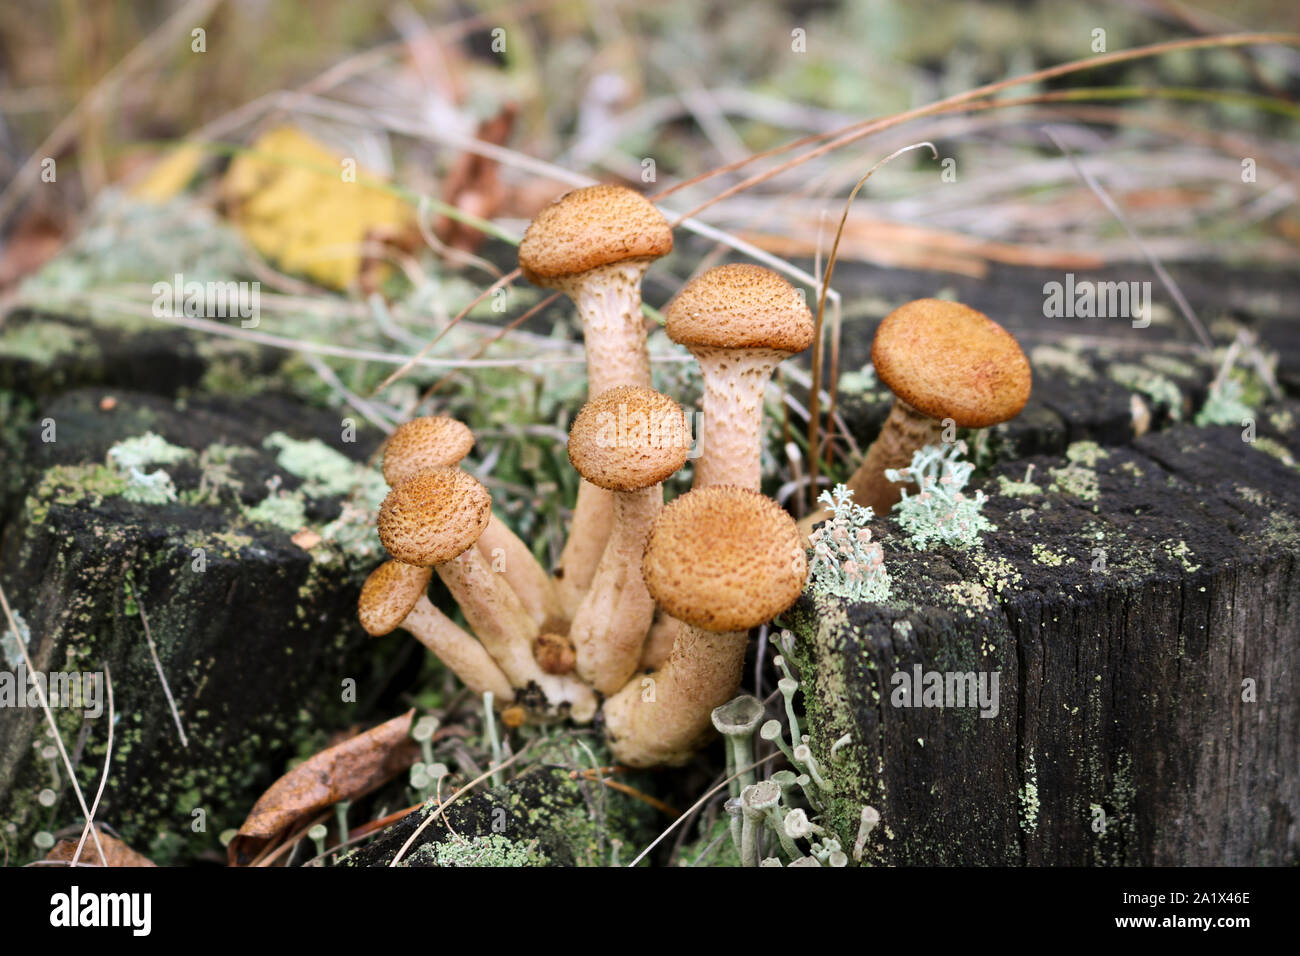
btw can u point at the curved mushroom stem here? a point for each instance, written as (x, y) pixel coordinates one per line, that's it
(659, 642)
(462, 655)
(588, 533)
(732, 426)
(905, 431)
(507, 632)
(528, 579)
(614, 336)
(609, 628)
(662, 718)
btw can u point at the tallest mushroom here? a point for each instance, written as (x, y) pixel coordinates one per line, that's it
(594, 245)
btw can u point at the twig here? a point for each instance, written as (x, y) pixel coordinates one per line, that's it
(108, 759)
(49, 717)
(162, 678)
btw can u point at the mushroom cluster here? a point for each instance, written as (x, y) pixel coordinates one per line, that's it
(648, 613)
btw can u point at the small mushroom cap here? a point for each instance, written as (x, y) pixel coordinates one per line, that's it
(629, 438)
(592, 227)
(434, 516)
(724, 559)
(434, 441)
(740, 306)
(389, 594)
(948, 360)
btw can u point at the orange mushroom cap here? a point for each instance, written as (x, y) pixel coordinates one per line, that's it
(629, 438)
(724, 559)
(592, 227)
(948, 360)
(740, 306)
(434, 516)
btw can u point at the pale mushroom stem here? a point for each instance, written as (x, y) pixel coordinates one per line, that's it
(512, 559)
(608, 299)
(659, 642)
(458, 651)
(609, 629)
(730, 451)
(664, 717)
(507, 631)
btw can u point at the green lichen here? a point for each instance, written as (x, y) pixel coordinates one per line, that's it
(285, 510)
(1010, 488)
(1062, 360)
(1044, 555)
(1155, 386)
(43, 342)
(492, 850)
(1168, 365)
(1180, 552)
(1224, 405)
(325, 471)
(1028, 795)
(1274, 449)
(1085, 453)
(940, 512)
(1075, 480)
(70, 485)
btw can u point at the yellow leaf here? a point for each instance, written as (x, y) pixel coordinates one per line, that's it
(296, 206)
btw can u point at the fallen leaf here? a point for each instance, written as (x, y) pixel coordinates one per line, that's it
(116, 852)
(308, 210)
(473, 186)
(170, 175)
(344, 772)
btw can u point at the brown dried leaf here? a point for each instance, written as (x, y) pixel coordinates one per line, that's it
(343, 772)
(116, 853)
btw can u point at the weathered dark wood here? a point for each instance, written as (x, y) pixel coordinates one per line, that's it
(1121, 690)
(255, 647)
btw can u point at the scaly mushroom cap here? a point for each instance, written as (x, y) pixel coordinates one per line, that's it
(434, 516)
(591, 227)
(724, 559)
(740, 306)
(389, 594)
(629, 438)
(948, 360)
(434, 441)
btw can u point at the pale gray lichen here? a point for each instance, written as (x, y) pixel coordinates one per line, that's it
(1224, 404)
(129, 459)
(940, 511)
(846, 563)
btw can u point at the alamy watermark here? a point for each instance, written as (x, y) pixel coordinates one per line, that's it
(922, 688)
(208, 300)
(1086, 299)
(75, 689)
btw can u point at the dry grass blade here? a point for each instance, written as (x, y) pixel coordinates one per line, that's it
(103, 779)
(444, 804)
(849, 134)
(49, 717)
(814, 397)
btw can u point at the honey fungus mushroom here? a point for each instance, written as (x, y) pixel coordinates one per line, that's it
(942, 360)
(396, 595)
(740, 321)
(628, 441)
(437, 441)
(595, 244)
(721, 560)
(433, 519)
